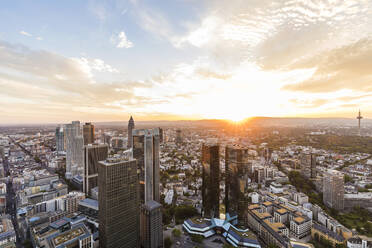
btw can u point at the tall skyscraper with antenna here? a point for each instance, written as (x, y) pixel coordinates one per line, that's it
(130, 132)
(359, 117)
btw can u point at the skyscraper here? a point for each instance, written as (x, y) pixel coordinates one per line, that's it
(305, 161)
(211, 179)
(151, 225)
(74, 149)
(119, 214)
(146, 151)
(333, 189)
(313, 166)
(236, 181)
(92, 154)
(88, 133)
(60, 139)
(130, 132)
(178, 136)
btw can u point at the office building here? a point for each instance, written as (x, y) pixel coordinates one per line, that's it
(211, 179)
(130, 132)
(107, 139)
(313, 166)
(74, 149)
(89, 207)
(161, 134)
(119, 214)
(88, 133)
(146, 151)
(236, 181)
(151, 225)
(92, 154)
(178, 136)
(333, 189)
(60, 140)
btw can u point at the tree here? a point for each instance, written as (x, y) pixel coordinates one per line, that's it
(347, 178)
(176, 232)
(197, 238)
(227, 246)
(184, 212)
(27, 243)
(168, 242)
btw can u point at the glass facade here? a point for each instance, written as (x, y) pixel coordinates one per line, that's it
(92, 154)
(211, 180)
(238, 167)
(118, 204)
(146, 151)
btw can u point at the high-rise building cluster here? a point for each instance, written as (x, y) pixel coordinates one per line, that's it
(125, 185)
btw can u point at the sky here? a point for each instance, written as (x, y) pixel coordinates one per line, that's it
(99, 60)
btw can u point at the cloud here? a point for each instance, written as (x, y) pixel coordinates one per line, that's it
(25, 33)
(154, 22)
(315, 103)
(39, 38)
(347, 67)
(97, 65)
(121, 40)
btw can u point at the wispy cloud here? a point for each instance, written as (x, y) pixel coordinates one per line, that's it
(347, 67)
(25, 33)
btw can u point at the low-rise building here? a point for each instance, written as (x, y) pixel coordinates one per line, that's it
(319, 231)
(301, 226)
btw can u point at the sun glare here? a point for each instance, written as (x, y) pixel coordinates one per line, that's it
(236, 118)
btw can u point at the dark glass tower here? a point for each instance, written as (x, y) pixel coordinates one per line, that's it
(92, 154)
(236, 182)
(146, 151)
(60, 139)
(130, 132)
(211, 180)
(119, 214)
(151, 225)
(88, 133)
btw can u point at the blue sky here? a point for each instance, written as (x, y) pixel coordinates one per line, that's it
(184, 59)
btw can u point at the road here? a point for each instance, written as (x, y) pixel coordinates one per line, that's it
(11, 203)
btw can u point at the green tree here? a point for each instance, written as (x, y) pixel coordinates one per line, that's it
(168, 242)
(184, 212)
(176, 232)
(347, 178)
(197, 238)
(227, 246)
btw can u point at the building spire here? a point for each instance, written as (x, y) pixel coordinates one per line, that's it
(130, 132)
(359, 117)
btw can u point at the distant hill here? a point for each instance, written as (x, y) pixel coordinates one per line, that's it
(253, 122)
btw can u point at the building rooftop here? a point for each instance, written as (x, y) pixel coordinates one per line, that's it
(90, 203)
(276, 226)
(331, 234)
(281, 211)
(299, 220)
(253, 206)
(261, 215)
(267, 203)
(150, 205)
(64, 239)
(199, 223)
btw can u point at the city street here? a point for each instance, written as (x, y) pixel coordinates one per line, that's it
(11, 203)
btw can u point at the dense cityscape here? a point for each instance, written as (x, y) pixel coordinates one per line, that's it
(212, 184)
(186, 124)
